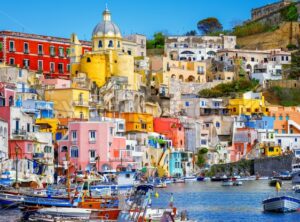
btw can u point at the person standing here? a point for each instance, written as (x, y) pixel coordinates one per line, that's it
(171, 200)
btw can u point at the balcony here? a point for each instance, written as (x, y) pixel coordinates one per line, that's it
(81, 103)
(19, 132)
(93, 160)
(92, 141)
(12, 49)
(26, 90)
(38, 155)
(44, 107)
(26, 51)
(40, 53)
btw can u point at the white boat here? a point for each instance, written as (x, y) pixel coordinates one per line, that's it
(66, 212)
(190, 178)
(296, 177)
(227, 183)
(296, 188)
(281, 204)
(237, 183)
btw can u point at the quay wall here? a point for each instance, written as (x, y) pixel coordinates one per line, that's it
(262, 166)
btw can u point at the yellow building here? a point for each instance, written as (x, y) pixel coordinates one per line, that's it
(158, 158)
(269, 150)
(135, 122)
(249, 104)
(186, 71)
(107, 57)
(69, 102)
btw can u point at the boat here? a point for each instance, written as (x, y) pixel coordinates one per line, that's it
(237, 183)
(200, 178)
(10, 200)
(285, 175)
(296, 188)
(227, 183)
(219, 179)
(178, 180)
(273, 182)
(190, 178)
(296, 177)
(281, 204)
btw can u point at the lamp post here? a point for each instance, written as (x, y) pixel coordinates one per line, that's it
(17, 165)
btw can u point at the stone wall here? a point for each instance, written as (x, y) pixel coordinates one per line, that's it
(266, 166)
(284, 83)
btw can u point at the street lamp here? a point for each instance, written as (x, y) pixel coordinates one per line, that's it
(17, 148)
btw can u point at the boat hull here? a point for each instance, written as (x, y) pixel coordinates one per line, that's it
(281, 204)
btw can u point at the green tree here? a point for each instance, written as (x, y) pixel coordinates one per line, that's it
(290, 13)
(209, 25)
(191, 33)
(157, 42)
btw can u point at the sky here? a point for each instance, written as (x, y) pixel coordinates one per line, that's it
(61, 18)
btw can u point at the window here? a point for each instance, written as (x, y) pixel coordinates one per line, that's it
(64, 149)
(218, 124)
(29, 148)
(48, 149)
(187, 104)
(287, 117)
(129, 52)
(296, 140)
(74, 152)
(26, 47)
(203, 142)
(68, 52)
(40, 49)
(52, 51)
(52, 67)
(40, 65)
(11, 61)
(61, 52)
(68, 67)
(92, 153)
(271, 149)
(100, 44)
(92, 135)
(110, 44)
(25, 65)
(283, 131)
(88, 59)
(282, 58)
(144, 126)
(280, 117)
(276, 131)
(252, 59)
(60, 67)
(12, 46)
(74, 135)
(111, 130)
(121, 126)
(81, 115)
(28, 127)
(287, 58)
(119, 45)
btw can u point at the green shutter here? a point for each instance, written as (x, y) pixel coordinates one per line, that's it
(68, 51)
(1, 46)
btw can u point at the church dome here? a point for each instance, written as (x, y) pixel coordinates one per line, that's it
(106, 27)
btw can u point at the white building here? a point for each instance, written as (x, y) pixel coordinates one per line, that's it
(197, 48)
(3, 139)
(267, 72)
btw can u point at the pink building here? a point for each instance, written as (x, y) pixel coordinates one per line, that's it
(7, 94)
(94, 145)
(172, 129)
(244, 140)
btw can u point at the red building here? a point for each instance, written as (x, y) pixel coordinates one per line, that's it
(45, 54)
(172, 129)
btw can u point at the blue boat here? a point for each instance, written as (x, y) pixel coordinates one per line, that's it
(281, 204)
(10, 200)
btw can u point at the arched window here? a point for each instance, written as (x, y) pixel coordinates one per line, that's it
(88, 59)
(119, 45)
(110, 44)
(74, 152)
(100, 44)
(64, 149)
(11, 101)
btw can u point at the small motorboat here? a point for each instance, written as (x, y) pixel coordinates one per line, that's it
(237, 183)
(178, 180)
(285, 175)
(219, 179)
(227, 183)
(190, 178)
(273, 182)
(296, 188)
(281, 204)
(160, 185)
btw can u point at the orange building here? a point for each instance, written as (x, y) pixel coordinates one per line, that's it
(286, 119)
(135, 122)
(172, 129)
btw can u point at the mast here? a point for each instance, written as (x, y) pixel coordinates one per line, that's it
(68, 175)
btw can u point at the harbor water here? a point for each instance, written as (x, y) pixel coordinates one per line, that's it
(211, 202)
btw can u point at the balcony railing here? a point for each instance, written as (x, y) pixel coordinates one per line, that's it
(19, 132)
(80, 103)
(92, 159)
(26, 90)
(38, 155)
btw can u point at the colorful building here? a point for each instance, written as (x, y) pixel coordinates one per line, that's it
(135, 122)
(39, 108)
(172, 129)
(107, 57)
(94, 145)
(45, 54)
(4, 139)
(270, 150)
(286, 119)
(175, 164)
(249, 104)
(69, 102)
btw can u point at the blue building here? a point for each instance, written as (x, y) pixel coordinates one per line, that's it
(175, 164)
(259, 122)
(39, 108)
